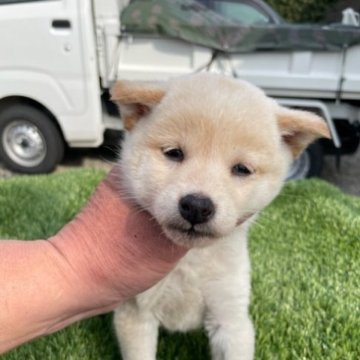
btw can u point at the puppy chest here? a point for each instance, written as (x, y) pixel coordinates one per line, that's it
(181, 305)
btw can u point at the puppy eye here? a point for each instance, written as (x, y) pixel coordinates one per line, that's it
(174, 154)
(240, 170)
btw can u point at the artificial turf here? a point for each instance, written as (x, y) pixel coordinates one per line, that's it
(305, 251)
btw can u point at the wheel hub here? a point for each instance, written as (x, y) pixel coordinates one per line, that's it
(24, 143)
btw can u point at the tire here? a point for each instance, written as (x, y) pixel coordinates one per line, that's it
(309, 164)
(30, 142)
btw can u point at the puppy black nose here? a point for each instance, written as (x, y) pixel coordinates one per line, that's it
(196, 208)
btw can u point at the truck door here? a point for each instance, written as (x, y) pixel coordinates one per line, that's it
(43, 37)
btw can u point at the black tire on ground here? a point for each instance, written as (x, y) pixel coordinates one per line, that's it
(29, 140)
(309, 164)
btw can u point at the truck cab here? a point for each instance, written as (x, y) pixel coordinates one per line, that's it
(50, 92)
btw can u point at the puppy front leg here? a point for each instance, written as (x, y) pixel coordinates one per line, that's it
(137, 332)
(230, 341)
(227, 322)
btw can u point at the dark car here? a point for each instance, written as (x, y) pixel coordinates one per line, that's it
(244, 11)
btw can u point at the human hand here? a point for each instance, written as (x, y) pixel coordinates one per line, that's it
(113, 250)
(110, 252)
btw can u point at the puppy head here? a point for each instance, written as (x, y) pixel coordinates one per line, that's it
(204, 153)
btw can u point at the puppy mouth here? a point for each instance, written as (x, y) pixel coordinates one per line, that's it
(191, 232)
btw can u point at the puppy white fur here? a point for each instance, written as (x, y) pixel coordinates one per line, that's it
(203, 154)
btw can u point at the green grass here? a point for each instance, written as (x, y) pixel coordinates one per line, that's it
(305, 250)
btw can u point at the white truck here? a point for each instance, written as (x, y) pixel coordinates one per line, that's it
(59, 58)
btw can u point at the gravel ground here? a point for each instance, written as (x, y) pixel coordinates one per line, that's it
(348, 178)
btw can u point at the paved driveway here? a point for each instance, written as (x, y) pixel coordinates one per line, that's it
(348, 178)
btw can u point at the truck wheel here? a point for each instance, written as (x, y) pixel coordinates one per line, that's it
(309, 164)
(29, 141)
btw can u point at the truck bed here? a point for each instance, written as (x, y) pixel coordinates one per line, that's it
(301, 74)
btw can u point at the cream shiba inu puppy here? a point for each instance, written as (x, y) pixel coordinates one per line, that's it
(203, 154)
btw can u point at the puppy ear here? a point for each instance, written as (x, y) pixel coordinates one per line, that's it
(136, 99)
(300, 128)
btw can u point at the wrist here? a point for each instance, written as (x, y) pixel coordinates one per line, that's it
(74, 298)
(38, 292)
